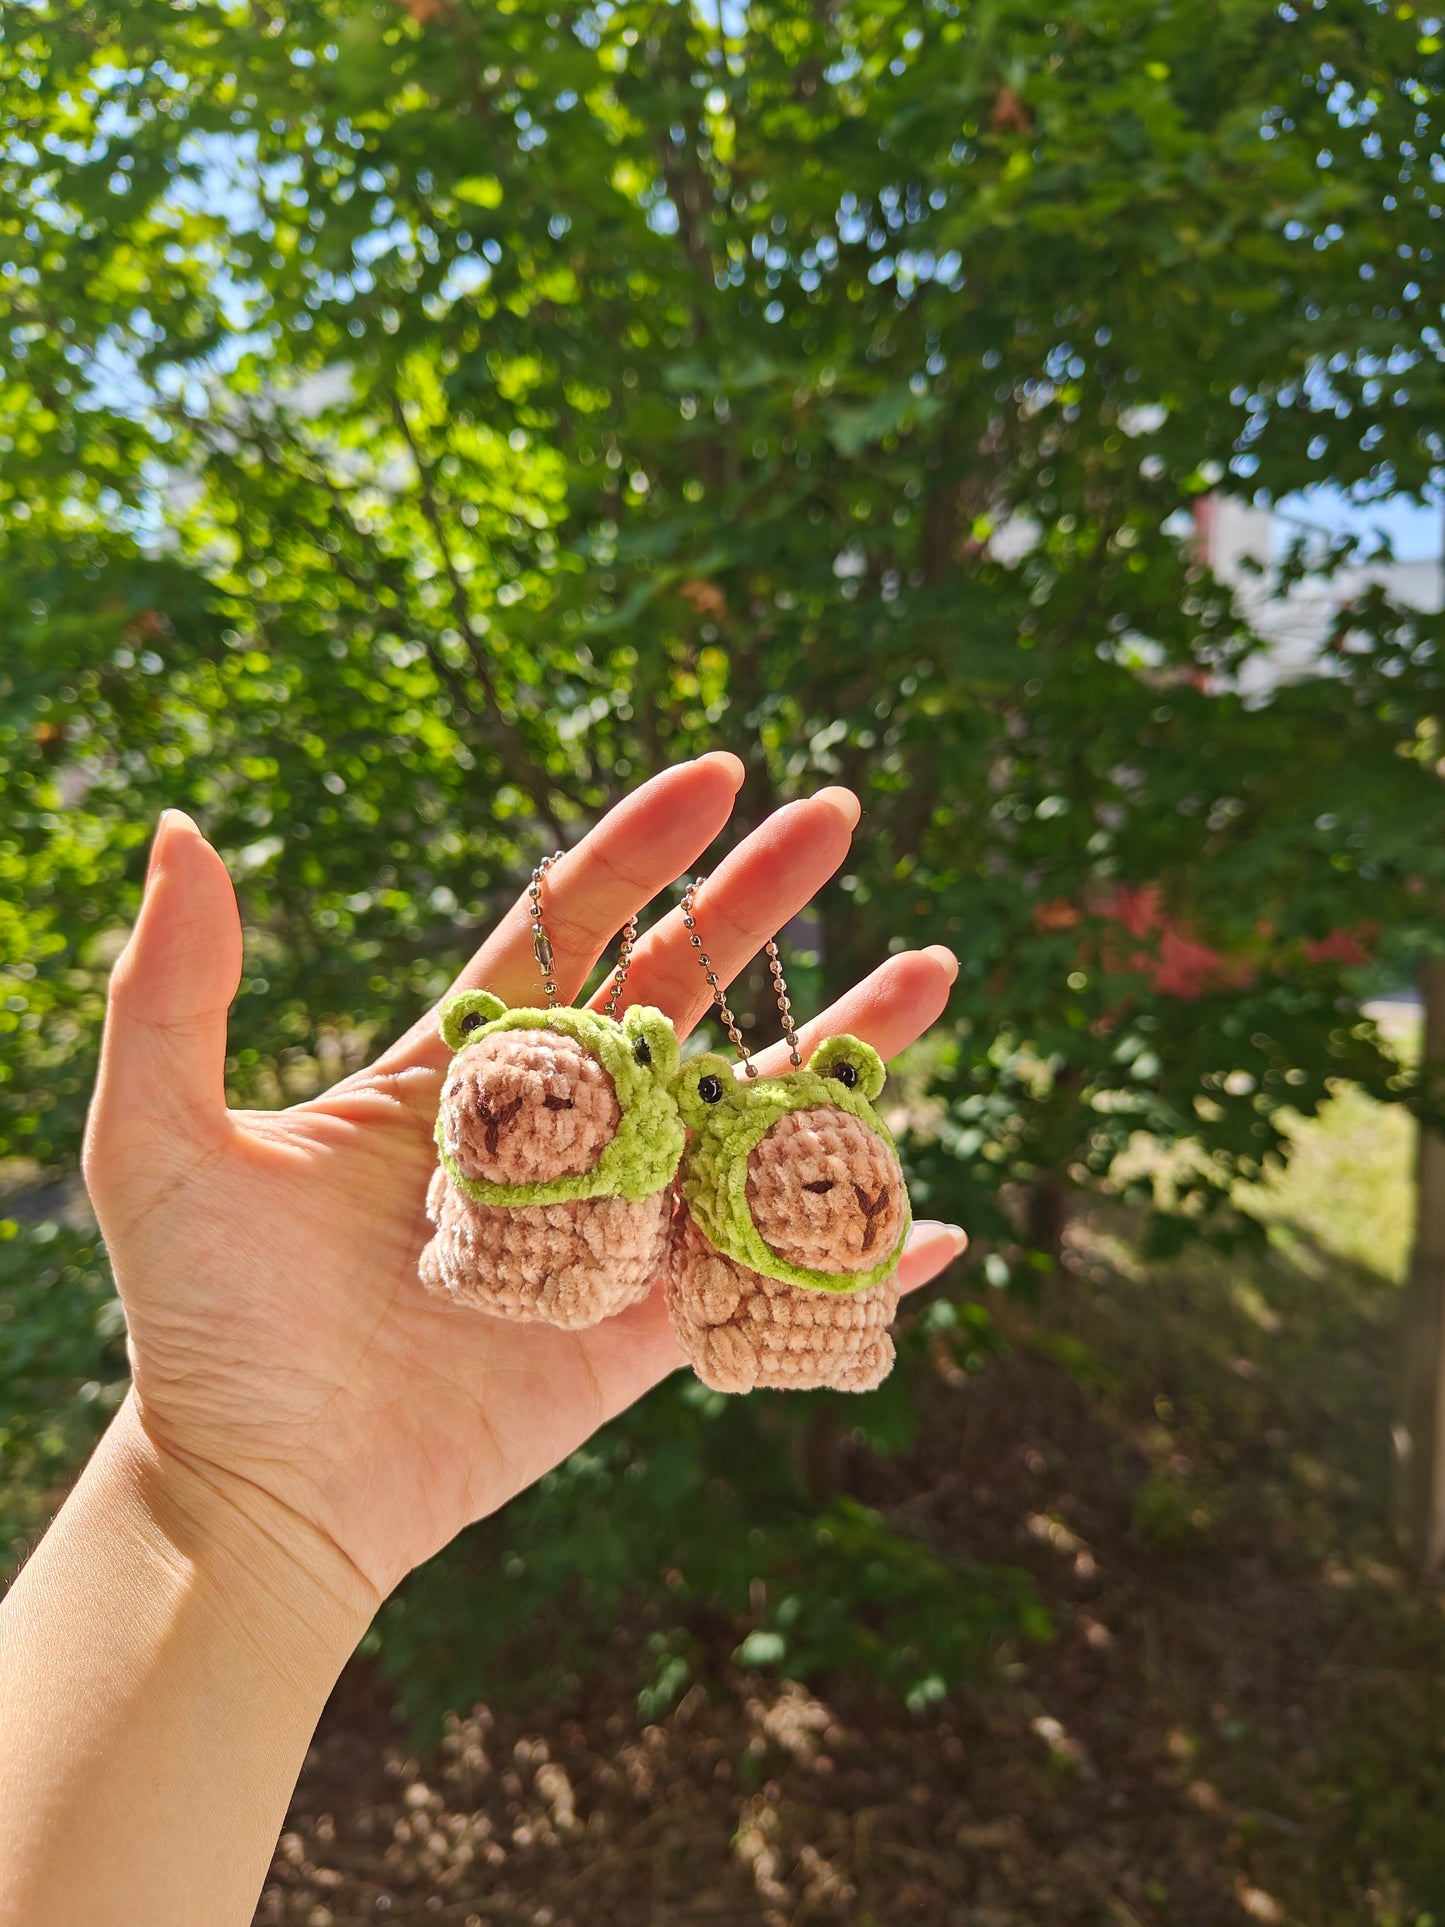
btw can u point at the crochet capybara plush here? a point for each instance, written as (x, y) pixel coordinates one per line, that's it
(784, 1256)
(558, 1136)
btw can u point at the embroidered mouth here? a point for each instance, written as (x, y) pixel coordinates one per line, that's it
(872, 1209)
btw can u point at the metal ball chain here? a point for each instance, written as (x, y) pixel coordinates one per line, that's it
(785, 1007)
(785, 1003)
(619, 976)
(542, 946)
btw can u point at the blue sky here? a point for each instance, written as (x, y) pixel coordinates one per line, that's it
(1414, 532)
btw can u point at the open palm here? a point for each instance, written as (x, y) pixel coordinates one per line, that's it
(267, 1261)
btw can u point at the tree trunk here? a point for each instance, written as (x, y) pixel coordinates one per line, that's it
(821, 1455)
(1046, 1216)
(1420, 1428)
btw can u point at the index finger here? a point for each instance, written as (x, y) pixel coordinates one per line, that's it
(636, 850)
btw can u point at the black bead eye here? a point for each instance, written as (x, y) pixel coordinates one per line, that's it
(642, 1051)
(846, 1073)
(472, 1021)
(709, 1089)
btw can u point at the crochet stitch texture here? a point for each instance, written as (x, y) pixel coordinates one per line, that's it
(782, 1269)
(558, 1136)
(824, 1192)
(717, 1166)
(570, 1264)
(639, 1055)
(742, 1332)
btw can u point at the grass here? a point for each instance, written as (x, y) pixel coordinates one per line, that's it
(1299, 1667)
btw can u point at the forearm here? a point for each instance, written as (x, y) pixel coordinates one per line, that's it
(163, 1659)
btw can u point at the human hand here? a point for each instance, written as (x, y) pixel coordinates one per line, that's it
(284, 1353)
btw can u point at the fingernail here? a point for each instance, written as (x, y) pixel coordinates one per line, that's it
(166, 822)
(941, 953)
(937, 1227)
(844, 801)
(163, 824)
(734, 765)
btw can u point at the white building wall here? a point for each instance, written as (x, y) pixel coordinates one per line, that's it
(1235, 534)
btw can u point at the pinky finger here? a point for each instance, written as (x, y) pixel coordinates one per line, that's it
(931, 1248)
(890, 1009)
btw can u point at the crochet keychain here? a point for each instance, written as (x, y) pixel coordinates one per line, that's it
(558, 1136)
(794, 1213)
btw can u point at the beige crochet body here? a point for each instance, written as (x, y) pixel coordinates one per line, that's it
(825, 1192)
(570, 1264)
(741, 1331)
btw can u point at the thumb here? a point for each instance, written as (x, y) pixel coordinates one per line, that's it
(163, 1057)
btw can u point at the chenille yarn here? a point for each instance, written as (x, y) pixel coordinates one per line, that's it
(743, 1332)
(526, 1107)
(782, 1269)
(639, 1054)
(571, 1264)
(558, 1135)
(714, 1174)
(825, 1193)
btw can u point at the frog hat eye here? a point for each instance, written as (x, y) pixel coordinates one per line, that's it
(652, 1042)
(463, 1015)
(706, 1090)
(854, 1064)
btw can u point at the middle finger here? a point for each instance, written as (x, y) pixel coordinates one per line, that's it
(769, 877)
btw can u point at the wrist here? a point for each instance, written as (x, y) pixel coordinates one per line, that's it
(246, 1556)
(164, 1656)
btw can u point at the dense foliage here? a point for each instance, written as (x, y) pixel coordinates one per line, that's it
(418, 421)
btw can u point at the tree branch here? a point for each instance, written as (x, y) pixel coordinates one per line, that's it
(509, 746)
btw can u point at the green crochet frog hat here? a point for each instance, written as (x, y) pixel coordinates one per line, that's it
(729, 1117)
(640, 1054)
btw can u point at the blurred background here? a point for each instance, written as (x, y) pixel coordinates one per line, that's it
(420, 420)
